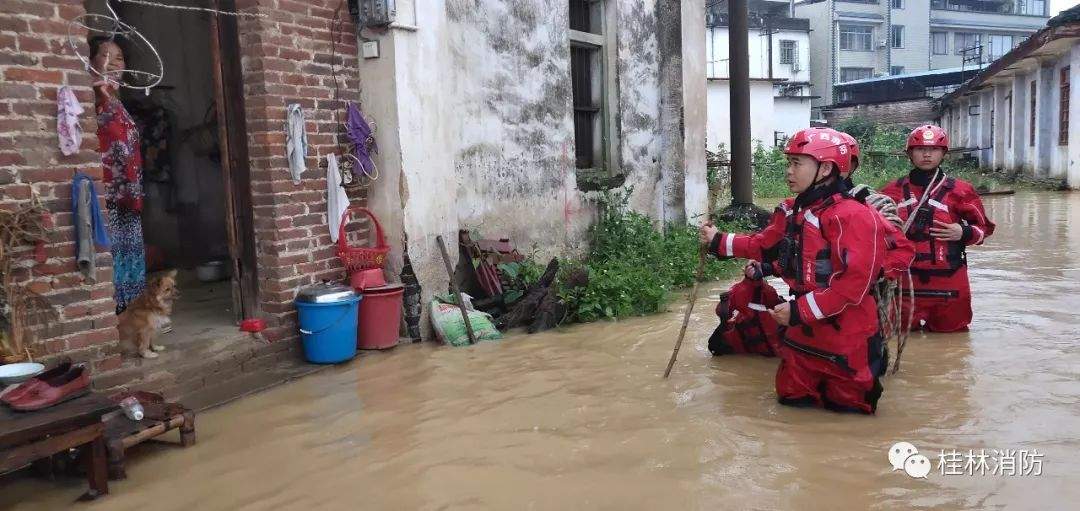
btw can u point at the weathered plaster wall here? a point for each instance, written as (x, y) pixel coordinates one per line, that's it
(473, 103)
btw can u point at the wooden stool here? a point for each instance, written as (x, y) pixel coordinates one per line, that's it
(159, 417)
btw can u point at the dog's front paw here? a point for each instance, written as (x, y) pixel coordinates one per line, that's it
(157, 347)
(148, 354)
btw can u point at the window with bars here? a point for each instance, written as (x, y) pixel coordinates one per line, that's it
(1063, 108)
(896, 70)
(587, 75)
(897, 4)
(856, 37)
(939, 43)
(1031, 120)
(897, 36)
(788, 51)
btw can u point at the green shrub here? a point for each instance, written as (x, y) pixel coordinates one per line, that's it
(632, 266)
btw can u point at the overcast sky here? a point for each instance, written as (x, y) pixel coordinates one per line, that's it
(1057, 6)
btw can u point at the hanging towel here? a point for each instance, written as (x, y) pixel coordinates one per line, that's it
(68, 130)
(337, 201)
(89, 225)
(296, 141)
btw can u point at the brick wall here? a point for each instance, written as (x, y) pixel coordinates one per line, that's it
(905, 114)
(34, 62)
(287, 59)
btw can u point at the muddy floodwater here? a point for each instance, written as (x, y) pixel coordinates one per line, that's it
(580, 418)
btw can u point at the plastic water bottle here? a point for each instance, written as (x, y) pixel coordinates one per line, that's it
(132, 408)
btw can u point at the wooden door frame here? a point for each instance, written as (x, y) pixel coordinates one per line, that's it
(235, 167)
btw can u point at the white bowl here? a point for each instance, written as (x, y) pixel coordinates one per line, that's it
(11, 374)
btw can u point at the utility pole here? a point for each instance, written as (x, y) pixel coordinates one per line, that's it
(742, 191)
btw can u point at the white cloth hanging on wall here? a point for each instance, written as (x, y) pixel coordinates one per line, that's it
(295, 141)
(337, 201)
(68, 130)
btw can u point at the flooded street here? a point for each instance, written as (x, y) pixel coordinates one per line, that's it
(580, 418)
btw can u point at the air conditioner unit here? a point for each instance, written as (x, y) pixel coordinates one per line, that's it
(882, 43)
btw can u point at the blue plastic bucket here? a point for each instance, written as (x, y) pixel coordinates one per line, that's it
(328, 330)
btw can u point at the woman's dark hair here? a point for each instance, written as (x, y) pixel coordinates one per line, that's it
(98, 40)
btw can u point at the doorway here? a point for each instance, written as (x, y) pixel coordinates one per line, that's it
(196, 216)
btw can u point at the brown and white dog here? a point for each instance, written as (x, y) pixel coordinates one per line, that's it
(144, 317)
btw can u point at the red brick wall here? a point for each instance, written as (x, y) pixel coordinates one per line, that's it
(35, 61)
(287, 59)
(904, 114)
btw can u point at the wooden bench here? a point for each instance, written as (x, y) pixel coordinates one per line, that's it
(26, 437)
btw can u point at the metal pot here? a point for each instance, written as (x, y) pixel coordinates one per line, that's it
(212, 271)
(327, 292)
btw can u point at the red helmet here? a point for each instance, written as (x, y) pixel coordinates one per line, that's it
(853, 149)
(928, 136)
(823, 145)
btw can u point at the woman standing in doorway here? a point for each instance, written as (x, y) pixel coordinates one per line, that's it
(121, 160)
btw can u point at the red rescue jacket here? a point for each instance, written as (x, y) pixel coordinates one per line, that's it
(954, 201)
(829, 253)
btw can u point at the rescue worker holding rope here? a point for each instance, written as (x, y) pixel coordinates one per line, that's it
(942, 215)
(825, 246)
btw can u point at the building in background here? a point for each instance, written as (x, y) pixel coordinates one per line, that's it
(862, 39)
(779, 73)
(1017, 113)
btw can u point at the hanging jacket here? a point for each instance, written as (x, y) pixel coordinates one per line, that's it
(827, 249)
(954, 201)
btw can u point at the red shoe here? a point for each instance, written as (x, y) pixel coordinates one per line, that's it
(72, 384)
(23, 388)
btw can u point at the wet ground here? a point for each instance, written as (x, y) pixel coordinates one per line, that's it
(580, 418)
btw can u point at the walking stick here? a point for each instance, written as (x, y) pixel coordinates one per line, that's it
(454, 289)
(702, 257)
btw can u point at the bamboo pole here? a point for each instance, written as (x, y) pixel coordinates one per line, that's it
(702, 258)
(454, 289)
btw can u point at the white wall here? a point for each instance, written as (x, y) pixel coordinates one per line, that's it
(716, 44)
(473, 105)
(790, 115)
(762, 114)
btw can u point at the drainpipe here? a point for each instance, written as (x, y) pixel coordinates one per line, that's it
(768, 35)
(742, 191)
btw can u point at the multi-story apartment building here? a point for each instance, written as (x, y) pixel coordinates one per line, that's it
(779, 48)
(859, 39)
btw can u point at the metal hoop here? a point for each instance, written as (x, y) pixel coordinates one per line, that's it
(119, 28)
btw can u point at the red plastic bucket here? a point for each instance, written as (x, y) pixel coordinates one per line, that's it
(380, 317)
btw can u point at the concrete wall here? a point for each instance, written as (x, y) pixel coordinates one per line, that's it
(821, 44)
(790, 115)
(1047, 157)
(914, 55)
(763, 115)
(473, 103)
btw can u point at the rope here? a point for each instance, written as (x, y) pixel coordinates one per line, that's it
(198, 9)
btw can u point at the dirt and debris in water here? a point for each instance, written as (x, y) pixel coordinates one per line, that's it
(579, 417)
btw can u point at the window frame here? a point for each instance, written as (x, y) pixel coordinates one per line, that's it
(870, 74)
(606, 163)
(1033, 104)
(793, 53)
(893, 70)
(892, 4)
(892, 36)
(959, 49)
(852, 35)
(945, 37)
(1064, 88)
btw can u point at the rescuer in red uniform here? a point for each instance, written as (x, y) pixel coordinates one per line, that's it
(825, 246)
(943, 215)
